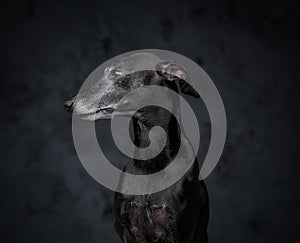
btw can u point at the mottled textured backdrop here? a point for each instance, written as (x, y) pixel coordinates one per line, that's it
(249, 49)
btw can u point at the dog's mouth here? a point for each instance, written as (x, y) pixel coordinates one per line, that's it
(101, 113)
(106, 110)
(104, 113)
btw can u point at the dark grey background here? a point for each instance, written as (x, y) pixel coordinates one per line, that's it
(249, 49)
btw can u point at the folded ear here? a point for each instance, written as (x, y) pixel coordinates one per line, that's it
(173, 72)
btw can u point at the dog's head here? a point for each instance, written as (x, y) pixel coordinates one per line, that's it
(138, 70)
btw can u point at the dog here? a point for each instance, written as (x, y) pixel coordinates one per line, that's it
(178, 214)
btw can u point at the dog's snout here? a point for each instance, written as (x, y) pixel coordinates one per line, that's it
(69, 105)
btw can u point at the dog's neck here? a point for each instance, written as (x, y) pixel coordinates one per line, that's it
(142, 124)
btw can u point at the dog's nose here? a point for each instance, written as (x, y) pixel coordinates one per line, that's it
(69, 105)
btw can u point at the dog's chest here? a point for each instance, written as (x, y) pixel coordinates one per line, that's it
(149, 218)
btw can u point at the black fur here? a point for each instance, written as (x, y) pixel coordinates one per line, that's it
(178, 213)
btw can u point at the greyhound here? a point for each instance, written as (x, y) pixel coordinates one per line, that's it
(180, 212)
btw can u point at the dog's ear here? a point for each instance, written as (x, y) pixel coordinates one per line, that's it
(174, 72)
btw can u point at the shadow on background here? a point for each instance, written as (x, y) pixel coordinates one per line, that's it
(250, 51)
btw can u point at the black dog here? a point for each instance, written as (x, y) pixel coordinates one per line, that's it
(178, 213)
